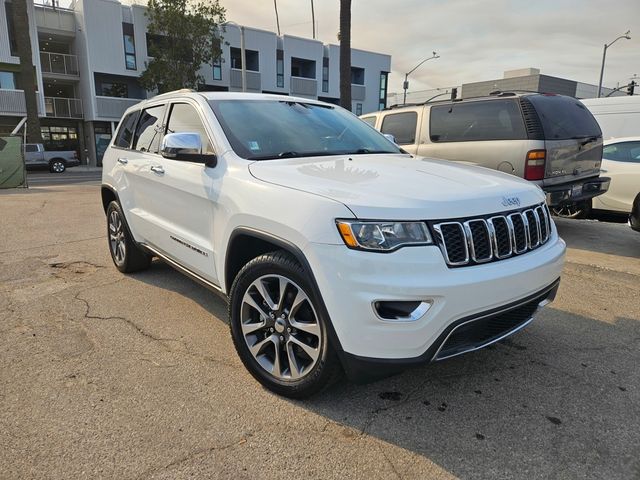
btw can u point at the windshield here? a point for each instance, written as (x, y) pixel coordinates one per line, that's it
(564, 117)
(269, 129)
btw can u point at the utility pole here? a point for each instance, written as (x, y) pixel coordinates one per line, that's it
(604, 56)
(275, 5)
(313, 20)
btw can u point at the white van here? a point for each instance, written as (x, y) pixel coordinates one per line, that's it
(617, 116)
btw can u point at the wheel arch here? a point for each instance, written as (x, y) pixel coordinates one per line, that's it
(63, 160)
(108, 195)
(246, 244)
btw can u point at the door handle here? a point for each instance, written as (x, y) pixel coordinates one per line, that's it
(157, 169)
(123, 161)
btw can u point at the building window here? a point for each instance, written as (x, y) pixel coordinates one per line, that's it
(115, 89)
(8, 80)
(325, 74)
(301, 67)
(279, 68)
(357, 76)
(13, 46)
(358, 109)
(217, 69)
(129, 46)
(252, 59)
(382, 103)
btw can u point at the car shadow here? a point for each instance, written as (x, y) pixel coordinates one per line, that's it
(599, 237)
(558, 400)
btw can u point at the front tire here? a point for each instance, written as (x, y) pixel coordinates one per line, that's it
(57, 166)
(279, 329)
(125, 253)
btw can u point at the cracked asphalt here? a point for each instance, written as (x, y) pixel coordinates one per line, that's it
(133, 377)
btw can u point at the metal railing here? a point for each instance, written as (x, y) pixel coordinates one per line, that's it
(60, 107)
(12, 102)
(56, 17)
(253, 79)
(304, 86)
(357, 92)
(59, 63)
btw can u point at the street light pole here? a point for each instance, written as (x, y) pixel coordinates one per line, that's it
(243, 56)
(405, 85)
(604, 56)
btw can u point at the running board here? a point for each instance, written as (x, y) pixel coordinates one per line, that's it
(185, 271)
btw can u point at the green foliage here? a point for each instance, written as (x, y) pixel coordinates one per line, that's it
(183, 36)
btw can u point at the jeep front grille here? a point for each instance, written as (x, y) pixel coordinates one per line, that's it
(480, 240)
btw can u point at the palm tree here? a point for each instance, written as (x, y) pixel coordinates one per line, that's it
(26, 76)
(345, 54)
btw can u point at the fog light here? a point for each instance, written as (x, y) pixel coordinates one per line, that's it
(397, 311)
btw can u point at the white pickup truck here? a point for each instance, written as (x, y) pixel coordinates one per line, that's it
(36, 157)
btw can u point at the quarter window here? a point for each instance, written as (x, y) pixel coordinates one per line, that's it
(402, 126)
(370, 120)
(149, 130)
(125, 132)
(184, 118)
(30, 148)
(476, 121)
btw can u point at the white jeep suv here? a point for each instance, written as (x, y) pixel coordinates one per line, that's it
(336, 250)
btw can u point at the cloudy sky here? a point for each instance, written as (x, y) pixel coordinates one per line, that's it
(476, 39)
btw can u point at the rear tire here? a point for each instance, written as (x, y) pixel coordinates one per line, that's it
(279, 329)
(127, 256)
(57, 166)
(576, 211)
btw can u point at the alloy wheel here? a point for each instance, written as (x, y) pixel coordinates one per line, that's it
(117, 238)
(280, 327)
(57, 167)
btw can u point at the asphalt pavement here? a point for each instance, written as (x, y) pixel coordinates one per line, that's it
(104, 375)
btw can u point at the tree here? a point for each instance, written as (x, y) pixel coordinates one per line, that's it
(345, 54)
(27, 74)
(184, 35)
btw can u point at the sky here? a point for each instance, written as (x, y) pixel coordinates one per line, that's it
(476, 40)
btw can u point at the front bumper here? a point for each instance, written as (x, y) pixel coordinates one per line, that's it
(351, 281)
(576, 192)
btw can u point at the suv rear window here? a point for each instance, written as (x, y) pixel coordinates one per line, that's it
(476, 121)
(402, 126)
(563, 117)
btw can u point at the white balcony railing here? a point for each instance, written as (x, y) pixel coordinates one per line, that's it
(304, 86)
(60, 107)
(113, 107)
(253, 79)
(59, 63)
(12, 102)
(56, 17)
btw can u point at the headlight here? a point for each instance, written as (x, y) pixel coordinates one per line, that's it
(382, 236)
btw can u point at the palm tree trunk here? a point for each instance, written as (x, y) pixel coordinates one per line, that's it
(345, 54)
(27, 75)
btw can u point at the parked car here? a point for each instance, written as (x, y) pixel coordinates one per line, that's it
(550, 140)
(35, 157)
(617, 116)
(634, 218)
(334, 249)
(621, 162)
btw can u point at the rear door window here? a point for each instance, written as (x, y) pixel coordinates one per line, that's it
(31, 148)
(402, 126)
(149, 130)
(564, 118)
(125, 132)
(477, 121)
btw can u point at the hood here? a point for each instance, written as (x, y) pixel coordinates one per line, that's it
(398, 187)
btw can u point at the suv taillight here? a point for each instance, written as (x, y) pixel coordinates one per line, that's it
(534, 165)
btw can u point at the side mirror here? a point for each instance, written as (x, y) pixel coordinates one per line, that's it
(186, 146)
(390, 137)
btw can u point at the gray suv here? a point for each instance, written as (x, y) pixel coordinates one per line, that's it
(552, 140)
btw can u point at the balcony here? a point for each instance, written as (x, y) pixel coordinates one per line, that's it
(253, 80)
(59, 64)
(357, 92)
(12, 102)
(60, 107)
(58, 20)
(113, 107)
(304, 86)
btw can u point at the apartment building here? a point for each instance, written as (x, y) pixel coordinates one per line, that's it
(88, 55)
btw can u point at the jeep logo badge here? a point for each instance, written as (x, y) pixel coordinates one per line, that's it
(511, 201)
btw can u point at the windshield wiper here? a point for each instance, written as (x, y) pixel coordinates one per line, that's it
(291, 154)
(362, 151)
